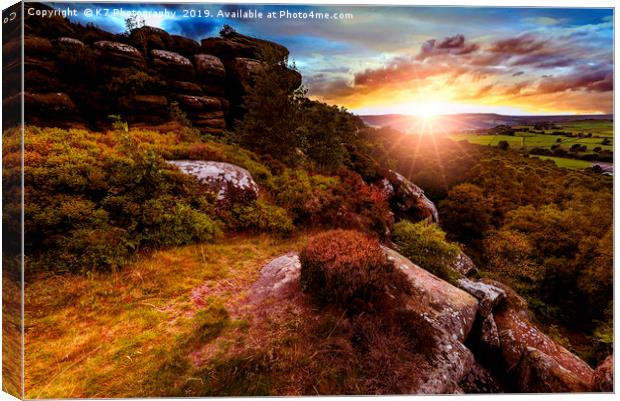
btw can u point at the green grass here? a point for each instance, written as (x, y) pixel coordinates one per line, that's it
(524, 140)
(572, 164)
(601, 128)
(528, 141)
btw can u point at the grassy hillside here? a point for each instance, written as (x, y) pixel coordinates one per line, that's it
(144, 330)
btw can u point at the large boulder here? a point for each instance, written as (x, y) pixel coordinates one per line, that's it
(172, 65)
(232, 44)
(278, 278)
(409, 201)
(230, 183)
(450, 308)
(52, 105)
(464, 265)
(538, 372)
(603, 379)
(209, 68)
(536, 362)
(449, 364)
(445, 312)
(118, 54)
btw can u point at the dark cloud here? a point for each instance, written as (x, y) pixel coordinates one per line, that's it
(524, 44)
(601, 80)
(452, 45)
(516, 74)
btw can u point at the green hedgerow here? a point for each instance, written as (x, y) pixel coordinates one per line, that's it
(425, 244)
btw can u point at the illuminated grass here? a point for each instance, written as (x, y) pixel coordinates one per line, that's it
(130, 333)
(572, 164)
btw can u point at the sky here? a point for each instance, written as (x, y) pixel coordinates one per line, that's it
(422, 60)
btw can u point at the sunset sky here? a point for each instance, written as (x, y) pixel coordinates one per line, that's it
(433, 60)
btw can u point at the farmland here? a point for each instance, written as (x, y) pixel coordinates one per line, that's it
(573, 144)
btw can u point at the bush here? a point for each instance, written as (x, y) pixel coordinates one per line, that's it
(349, 269)
(95, 199)
(425, 244)
(259, 216)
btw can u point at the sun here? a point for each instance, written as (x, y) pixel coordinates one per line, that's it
(427, 110)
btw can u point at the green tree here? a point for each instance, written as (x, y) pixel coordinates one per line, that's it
(271, 123)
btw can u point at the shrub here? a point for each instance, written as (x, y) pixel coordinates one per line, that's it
(95, 199)
(425, 244)
(259, 216)
(349, 269)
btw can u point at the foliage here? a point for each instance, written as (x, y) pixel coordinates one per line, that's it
(349, 269)
(95, 199)
(135, 82)
(425, 244)
(259, 216)
(272, 112)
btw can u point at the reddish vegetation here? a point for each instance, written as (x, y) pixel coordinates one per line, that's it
(350, 269)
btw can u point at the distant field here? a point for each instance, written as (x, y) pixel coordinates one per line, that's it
(572, 164)
(526, 140)
(527, 137)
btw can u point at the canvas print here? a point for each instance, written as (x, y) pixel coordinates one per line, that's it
(235, 199)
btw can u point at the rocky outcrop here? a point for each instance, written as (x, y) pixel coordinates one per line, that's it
(209, 68)
(603, 379)
(408, 200)
(526, 360)
(231, 44)
(118, 54)
(229, 183)
(448, 307)
(141, 75)
(539, 363)
(489, 296)
(171, 64)
(447, 314)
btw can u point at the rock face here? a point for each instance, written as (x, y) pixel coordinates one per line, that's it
(448, 307)
(409, 200)
(118, 54)
(230, 183)
(137, 76)
(464, 265)
(539, 363)
(603, 379)
(488, 295)
(529, 361)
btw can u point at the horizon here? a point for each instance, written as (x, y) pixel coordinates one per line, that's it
(502, 60)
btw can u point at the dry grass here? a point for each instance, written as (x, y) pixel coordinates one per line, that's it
(11, 335)
(179, 323)
(130, 333)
